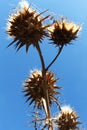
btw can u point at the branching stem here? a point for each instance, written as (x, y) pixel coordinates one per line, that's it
(60, 49)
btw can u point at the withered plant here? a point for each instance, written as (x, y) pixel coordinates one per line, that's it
(27, 27)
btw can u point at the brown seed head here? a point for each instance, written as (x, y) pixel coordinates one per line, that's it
(34, 88)
(63, 32)
(67, 119)
(26, 27)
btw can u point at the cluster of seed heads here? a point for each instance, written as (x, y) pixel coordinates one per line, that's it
(27, 27)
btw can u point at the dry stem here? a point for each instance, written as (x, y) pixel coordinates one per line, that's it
(45, 89)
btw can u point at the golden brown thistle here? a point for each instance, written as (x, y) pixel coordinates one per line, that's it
(63, 32)
(34, 88)
(67, 119)
(26, 27)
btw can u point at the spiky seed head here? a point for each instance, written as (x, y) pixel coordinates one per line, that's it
(33, 88)
(67, 119)
(63, 32)
(26, 27)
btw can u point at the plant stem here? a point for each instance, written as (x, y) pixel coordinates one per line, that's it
(60, 49)
(41, 58)
(45, 89)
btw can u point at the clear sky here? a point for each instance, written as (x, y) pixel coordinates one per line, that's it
(71, 67)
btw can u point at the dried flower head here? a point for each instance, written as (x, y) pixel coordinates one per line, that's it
(63, 32)
(26, 26)
(67, 119)
(34, 88)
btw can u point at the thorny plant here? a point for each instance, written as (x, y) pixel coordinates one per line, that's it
(27, 27)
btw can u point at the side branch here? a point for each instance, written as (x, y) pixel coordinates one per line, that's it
(60, 49)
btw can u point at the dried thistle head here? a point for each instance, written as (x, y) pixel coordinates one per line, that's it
(63, 32)
(26, 27)
(33, 87)
(67, 119)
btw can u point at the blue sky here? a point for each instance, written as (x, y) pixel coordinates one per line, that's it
(71, 67)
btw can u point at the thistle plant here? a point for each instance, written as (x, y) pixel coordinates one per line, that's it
(34, 88)
(67, 119)
(27, 27)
